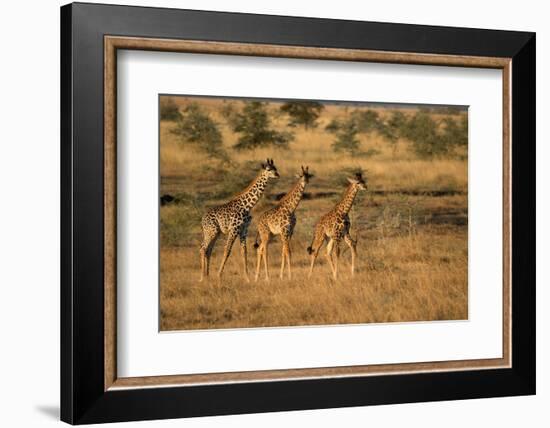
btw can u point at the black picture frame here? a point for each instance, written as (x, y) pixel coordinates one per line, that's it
(83, 398)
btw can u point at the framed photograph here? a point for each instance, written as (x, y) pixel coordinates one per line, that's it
(266, 213)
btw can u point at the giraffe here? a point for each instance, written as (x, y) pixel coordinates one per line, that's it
(232, 219)
(335, 226)
(280, 220)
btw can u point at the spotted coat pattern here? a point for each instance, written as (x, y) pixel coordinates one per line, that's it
(335, 226)
(232, 219)
(280, 220)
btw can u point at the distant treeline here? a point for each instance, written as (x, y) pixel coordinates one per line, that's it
(427, 137)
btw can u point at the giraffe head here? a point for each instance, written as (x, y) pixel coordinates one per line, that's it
(304, 175)
(358, 181)
(270, 170)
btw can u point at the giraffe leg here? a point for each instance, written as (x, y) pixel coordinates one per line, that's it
(330, 247)
(264, 235)
(209, 254)
(242, 238)
(337, 257)
(264, 256)
(244, 256)
(210, 236)
(285, 255)
(227, 250)
(289, 252)
(353, 247)
(288, 260)
(258, 260)
(205, 258)
(314, 249)
(202, 256)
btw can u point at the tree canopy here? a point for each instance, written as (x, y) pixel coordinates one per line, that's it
(303, 113)
(254, 125)
(196, 127)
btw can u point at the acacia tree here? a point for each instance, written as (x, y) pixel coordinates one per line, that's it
(303, 113)
(229, 112)
(254, 125)
(196, 127)
(421, 131)
(455, 133)
(346, 137)
(392, 129)
(429, 139)
(366, 120)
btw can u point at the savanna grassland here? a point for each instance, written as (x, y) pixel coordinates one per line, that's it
(411, 224)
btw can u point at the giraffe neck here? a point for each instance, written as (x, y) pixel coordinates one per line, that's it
(251, 195)
(291, 200)
(346, 202)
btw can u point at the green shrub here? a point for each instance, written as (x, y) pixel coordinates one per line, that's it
(177, 222)
(393, 128)
(334, 126)
(421, 131)
(229, 112)
(346, 138)
(304, 113)
(254, 125)
(429, 140)
(455, 133)
(366, 120)
(196, 127)
(427, 137)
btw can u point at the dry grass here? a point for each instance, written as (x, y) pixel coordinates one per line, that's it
(399, 279)
(412, 228)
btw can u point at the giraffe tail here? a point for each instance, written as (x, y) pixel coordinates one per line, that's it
(256, 244)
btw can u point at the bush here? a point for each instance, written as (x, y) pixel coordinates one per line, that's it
(426, 136)
(229, 113)
(303, 113)
(421, 131)
(334, 126)
(428, 141)
(346, 138)
(177, 222)
(455, 134)
(169, 109)
(366, 120)
(393, 128)
(196, 127)
(254, 125)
